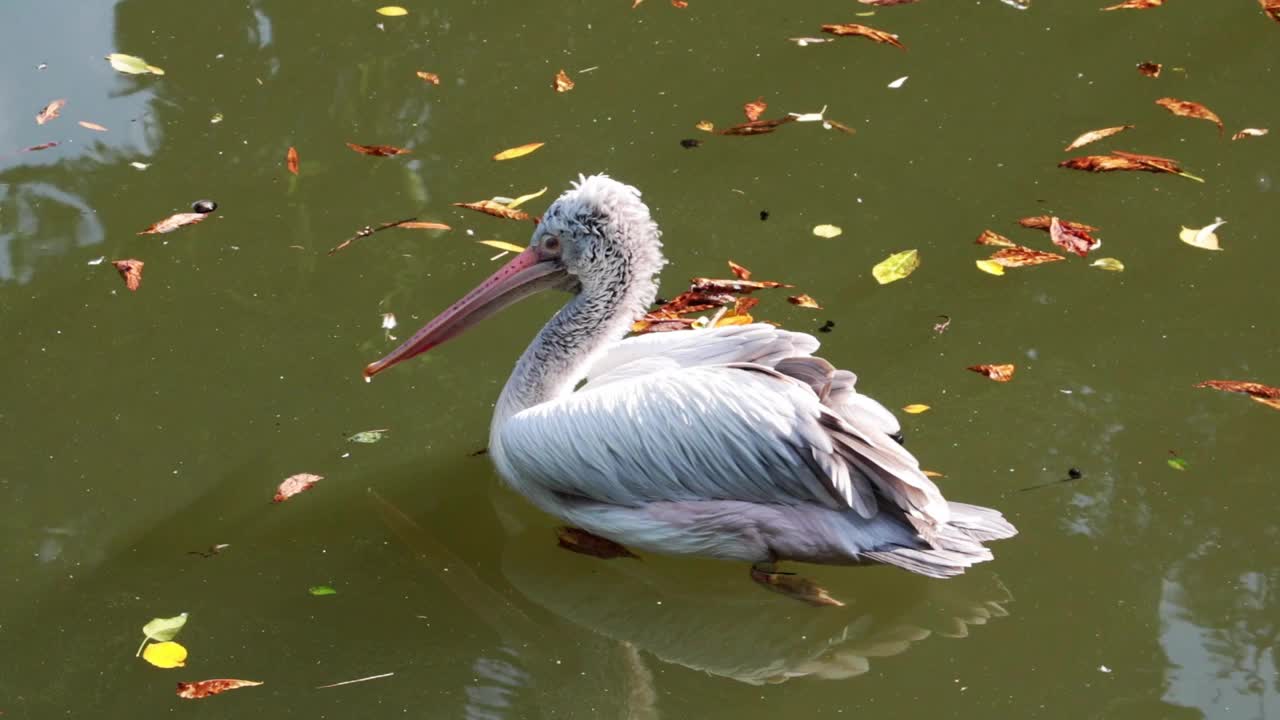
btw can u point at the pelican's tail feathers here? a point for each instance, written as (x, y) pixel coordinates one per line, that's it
(955, 547)
(980, 523)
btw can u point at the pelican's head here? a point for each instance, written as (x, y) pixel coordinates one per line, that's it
(597, 238)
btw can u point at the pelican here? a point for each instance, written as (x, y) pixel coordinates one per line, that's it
(733, 442)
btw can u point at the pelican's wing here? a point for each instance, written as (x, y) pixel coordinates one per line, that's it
(730, 432)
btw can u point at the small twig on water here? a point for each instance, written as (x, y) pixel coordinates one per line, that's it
(357, 680)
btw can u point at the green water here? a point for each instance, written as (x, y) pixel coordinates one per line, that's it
(137, 427)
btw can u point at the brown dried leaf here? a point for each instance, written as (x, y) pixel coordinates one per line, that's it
(757, 127)
(870, 33)
(691, 301)
(1135, 5)
(1269, 402)
(710, 285)
(291, 160)
(832, 124)
(1150, 69)
(993, 238)
(755, 108)
(1250, 132)
(41, 146)
(430, 77)
(1071, 240)
(1019, 256)
(131, 271)
(496, 209)
(1186, 108)
(205, 688)
(804, 301)
(999, 373)
(173, 222)
(378, 150)
(1271, 8)
(886, 3)
(1042, 222)
(1120, 160)
(50, 111)
(1252, 389)
(416, 225)
(584, 542)
(743, 305)
(740, 272)
(562, 82)
(91, 126)
(295, 484)
(1094, 136)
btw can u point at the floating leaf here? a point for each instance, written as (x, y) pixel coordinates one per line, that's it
(502, 245)
(163, 629)
(1150, 69)
(739, 271)
(369, 437)
(886, 3)
(989, 237)
(417, 225)
(392, 11)
(755, 108)
(1186, 108)
(50, 111)
(896, 267)
(999, 373)
(1204, 237)
(496, 209)
(205, 688)
(321, 590)
(581, 541)
(295, 484)
(378, 150)
(132, 65)
(758, 127)
(1119, 160)
(990, 266)
(1071, 239)
(1135, 5)
(1044, 222)
(804, 301)
(41, 146)
(430, 77)
(91, 126)
(291, 160)
(1250, 132)
(826, 231)
(898, 83)
(1111, 264)
(713, 285)
(525, 198)
(1177, 463)
(933, 473)
(131, 271)
(173, 222)
(1266, 394)
(562, 82)
(1094, 136)
(870, 33)
(515, 152)
(1271, 8)
(915, 408)
(706, 126)
(165, 655)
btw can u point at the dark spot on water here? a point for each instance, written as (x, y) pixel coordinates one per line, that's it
(204, 206)
(764, 215)
(1075, 473)
(828, 326)
(690, 143)
(899, 437)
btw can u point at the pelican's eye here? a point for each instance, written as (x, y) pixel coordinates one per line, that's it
(551, 244)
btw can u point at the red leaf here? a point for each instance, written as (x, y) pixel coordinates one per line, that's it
(41, 146)
(291, 160)
(295, 484)
(1071, 239)
(131, 271)
(173, 222)
(205, 688)
(377, 150)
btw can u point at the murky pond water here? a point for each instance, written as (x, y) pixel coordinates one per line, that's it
(139, 427)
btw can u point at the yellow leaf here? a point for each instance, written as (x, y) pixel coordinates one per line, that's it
(392, 11)
(524, 198)
(896, 266)
(932, 474)
(165, 654)
(1204, 237)
(735, 320)
(706, 126)
(990, 266)
(1111, 264)
(827, 231)
(516, 152)
(502, 245)
(915, 408)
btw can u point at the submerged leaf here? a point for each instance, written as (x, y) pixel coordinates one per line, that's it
(1204, 237)
(165, 655)
(706, 126)
(896, 267)
(581, 541)
(999, 373)
(1186, 108)
(205, 688)
(295, 484)
(515, 152)
(420, 225)
(131, 271)
(1094, 136)
(369, 437)
(378, 150)
(870, 33)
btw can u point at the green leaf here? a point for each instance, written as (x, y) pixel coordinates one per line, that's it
(162, 629)
(1177, 463)
(322, 590)
(369, 437)
(132, 65)
(896, 266)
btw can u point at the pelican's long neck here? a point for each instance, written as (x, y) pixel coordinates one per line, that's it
(563, 350)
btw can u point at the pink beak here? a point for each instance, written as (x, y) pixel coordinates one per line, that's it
(524, 275)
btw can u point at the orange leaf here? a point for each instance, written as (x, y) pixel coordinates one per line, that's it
(870, 33)
(295, 484)
(1094, 136)
(740, 272)
(755, 108)
(1120, 160)
(205, 688)
(520, 151)
(173, 222)
(91, 126)
(679, 4)
(377, 150)
(1018, 256)
(416, 225)
(992, 238)
(1150, 69)
(495, 209)
(1252, 389)
(1186, 108)
(1075, 241)
(1135, 5)
(562, 83)
(1271, 8)
(804, 301)
(432, 78)
(999, 373)
(291, 160)
(50, 111)
(131, 271)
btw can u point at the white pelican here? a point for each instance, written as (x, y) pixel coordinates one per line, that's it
(731, 442)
